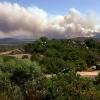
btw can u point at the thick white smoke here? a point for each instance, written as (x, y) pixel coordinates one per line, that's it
(16, 20)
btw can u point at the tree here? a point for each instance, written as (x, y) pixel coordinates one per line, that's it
(90, 59)
(43, 39)
(91, 43)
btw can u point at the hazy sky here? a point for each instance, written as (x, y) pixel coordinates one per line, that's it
(51, 18)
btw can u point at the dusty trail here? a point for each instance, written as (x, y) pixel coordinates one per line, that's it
(19, 55)
(89, 74)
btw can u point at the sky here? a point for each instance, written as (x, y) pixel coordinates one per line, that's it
(60, 6)
(51, 18)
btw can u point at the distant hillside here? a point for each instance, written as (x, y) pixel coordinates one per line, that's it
(80, 38)
(11, 41)
(97, 36)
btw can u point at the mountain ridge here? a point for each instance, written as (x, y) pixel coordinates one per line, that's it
(13, 40)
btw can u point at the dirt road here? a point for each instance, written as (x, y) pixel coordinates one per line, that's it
(20, 55)
(88, 74)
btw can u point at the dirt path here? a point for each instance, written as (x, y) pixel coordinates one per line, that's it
(88, 74)
(91, 74)
(8, 53)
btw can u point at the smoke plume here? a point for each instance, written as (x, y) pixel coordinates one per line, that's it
(16, 20)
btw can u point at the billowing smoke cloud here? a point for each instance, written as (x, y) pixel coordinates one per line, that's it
(16, 20)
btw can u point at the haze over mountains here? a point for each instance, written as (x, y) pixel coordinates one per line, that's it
(14, 41)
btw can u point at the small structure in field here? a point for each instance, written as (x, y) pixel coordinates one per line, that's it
(98, 66)
(94, 67)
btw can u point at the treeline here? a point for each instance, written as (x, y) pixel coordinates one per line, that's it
(58, 55)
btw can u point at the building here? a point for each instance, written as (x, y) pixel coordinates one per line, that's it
(98, 66)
